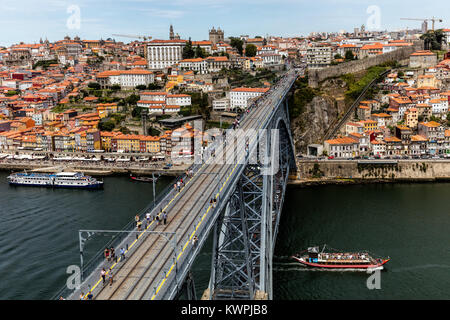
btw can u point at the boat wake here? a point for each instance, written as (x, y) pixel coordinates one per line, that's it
(425, 266)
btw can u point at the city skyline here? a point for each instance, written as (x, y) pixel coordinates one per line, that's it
(54, 19)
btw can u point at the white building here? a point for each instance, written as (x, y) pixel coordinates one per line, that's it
(318, 56)
(197, 65)
(240, 96)
(221, 104)
(164, 53)
(127, 78)
(271, 59)
(182, 100)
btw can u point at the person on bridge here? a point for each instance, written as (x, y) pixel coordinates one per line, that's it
(103, 274)
(112, 253)
(165, 218)
(194, 241)
(111, 277)
(122, 253)
(107, 254)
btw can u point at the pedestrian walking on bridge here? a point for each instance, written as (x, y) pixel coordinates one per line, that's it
(103, 274)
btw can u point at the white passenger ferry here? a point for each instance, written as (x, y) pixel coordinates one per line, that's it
(58, 180)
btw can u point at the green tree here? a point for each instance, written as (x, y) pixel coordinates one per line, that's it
(107, 125)
(132, 99)
(250, 50)
(154, 86)
(199, 52)
(349, 55)
(433, 39)
(94, 85)
(141, 87)
(237, 44)
(115, 87)
(188, 51)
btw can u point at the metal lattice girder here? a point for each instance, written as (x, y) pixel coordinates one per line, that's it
(244, 235)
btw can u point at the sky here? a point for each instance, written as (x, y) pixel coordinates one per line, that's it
(30, 20)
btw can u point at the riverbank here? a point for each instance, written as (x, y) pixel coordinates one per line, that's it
(374, 171)
(95, 170)
(355, 181)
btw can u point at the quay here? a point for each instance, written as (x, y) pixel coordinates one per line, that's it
(94, 169)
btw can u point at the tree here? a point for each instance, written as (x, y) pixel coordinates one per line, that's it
(349, 55)
(199, 52)
(338, 56)
(136, 113)
(433, 39)
(237, 44)
(153, 86)
(115, 87)
(188, 51)
(107, 125)
(132, 99)
(141, 87)
(94, 85)
(250, 50)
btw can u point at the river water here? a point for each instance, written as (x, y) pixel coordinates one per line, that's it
(408, 222)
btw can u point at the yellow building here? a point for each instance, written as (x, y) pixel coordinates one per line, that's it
(105, 109)
(369, 125)
(412, 118)
(150, 144)
(128, 143)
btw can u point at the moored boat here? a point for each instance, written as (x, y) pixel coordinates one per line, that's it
(143, 179)
(58, 180)
(339, 260)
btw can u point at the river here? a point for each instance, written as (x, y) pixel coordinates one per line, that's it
(408, 222)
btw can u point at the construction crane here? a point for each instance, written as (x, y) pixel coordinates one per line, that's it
(145, 38)
(433, 20)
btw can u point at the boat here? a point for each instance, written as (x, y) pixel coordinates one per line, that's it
(334, 259)
(142, 179)
(58, 180)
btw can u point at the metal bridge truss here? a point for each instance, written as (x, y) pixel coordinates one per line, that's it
(245, 232)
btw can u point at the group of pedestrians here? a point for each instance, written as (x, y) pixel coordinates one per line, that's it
(110, 278)
(110, 254)
(178, 185)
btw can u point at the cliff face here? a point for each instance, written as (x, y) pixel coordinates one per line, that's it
(318, 115)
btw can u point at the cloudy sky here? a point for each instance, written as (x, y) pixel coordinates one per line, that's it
(29, 20)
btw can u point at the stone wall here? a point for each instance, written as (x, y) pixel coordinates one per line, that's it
(403, 170)
(316, 76)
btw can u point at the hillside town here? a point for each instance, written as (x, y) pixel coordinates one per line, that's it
(78, 95)
(408, 118)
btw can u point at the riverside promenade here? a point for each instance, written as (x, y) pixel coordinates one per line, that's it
(98, 168)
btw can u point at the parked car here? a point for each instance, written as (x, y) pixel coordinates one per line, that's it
(330, 157)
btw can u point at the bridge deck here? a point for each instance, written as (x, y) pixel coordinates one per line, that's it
(141, 275)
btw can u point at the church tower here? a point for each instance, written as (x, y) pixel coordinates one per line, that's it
(171, 34)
